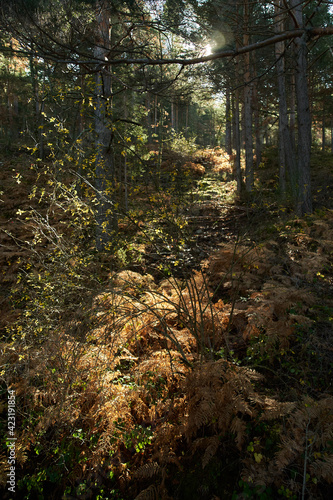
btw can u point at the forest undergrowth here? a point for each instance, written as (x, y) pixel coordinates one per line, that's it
(193, 359)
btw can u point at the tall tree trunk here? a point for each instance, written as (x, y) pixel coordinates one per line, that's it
(160, 146)
(149, 124)
(212, 130)
(323, 141)
(236, 114)
(173, 122)
(287, 160)
(156, 116)
(186, 119)
(292, 120)
(237, 165)
(304, 205)
(248, 139)
(126, 177)
(105, 217)
(228, 119)
(177, 116)
(256, 111)
(233, 107)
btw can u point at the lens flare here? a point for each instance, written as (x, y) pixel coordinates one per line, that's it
(207, 50)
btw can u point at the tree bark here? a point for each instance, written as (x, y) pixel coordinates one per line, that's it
(248, 139)
(228, 119)
(257, 128)
(287, 160)
(323, 141)
(173, 121)
(106, 220)
(186, 120)
(292, 120)
(237, 165)
(149, 114)
(304, 203)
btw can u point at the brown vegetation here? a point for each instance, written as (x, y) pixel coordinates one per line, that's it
(145, 385)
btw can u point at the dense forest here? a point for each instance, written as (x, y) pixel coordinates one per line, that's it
(166, 249)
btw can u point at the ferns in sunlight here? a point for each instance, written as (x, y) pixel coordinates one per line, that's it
(130, 377)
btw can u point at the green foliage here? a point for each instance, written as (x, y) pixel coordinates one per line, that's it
(57, 283)
(135, 439)
(34, 485)
(254, 492)
(181, 144)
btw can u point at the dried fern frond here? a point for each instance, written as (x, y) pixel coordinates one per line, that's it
(274, 409)
(149, 493)
(147, 471)
(323, 468)
(4, 468)
(210, 446)
(218, 392)
(238, 427)
(304, 443)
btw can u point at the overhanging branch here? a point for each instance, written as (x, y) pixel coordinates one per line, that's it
(93, 61)
(311, 32)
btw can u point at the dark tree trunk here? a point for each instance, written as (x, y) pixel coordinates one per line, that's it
(292, 120)
(228, 120)
(106, 220)
(248, 139)
(237, 164)
(257, 127)
(323, 141)
(287, 160)
(304, 204)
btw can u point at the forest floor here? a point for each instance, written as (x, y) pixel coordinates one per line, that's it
(194, 360)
